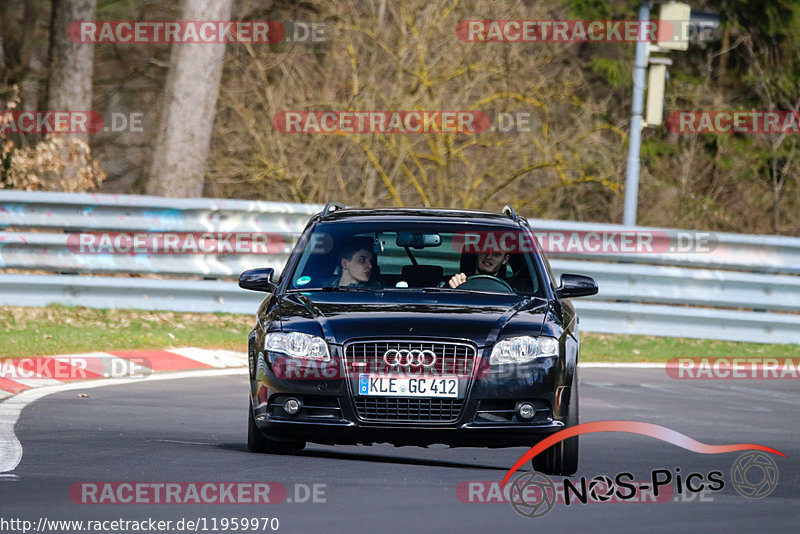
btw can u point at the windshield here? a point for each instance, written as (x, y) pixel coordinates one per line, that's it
(408, 255)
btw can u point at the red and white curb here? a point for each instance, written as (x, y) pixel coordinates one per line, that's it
(25, 380)
(11, 407)
(22, 374)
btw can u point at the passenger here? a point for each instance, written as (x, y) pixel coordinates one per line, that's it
(358, 264)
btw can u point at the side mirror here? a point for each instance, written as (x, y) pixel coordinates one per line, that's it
(576, 285)
(258, 280)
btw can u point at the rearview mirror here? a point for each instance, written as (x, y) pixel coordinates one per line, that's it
(258, 280)
(576, 285)
(418, 240)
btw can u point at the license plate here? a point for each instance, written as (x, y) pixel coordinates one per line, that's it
(407, 386)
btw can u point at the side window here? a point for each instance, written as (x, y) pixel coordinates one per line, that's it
(316, 264)
(392, 258)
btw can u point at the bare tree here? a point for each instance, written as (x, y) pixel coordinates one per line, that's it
(2, 50)
(189, 105)
(770, 85)
(24, 40)
(407, 56)
(71, 63)
(32, 54)
(6, 16)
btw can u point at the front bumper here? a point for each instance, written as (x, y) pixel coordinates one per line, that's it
(352, 433)
(487, 417)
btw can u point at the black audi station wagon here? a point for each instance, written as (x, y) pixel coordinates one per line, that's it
(415, 327)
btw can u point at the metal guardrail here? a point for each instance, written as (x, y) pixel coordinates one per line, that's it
(705, 323)
(683, 286)
(51, 252)
(87, 211)
(746, 288)
(751, 253)
(222, 296)
(64, 212)
(54, 215)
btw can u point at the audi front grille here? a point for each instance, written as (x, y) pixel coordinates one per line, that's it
(452, 358)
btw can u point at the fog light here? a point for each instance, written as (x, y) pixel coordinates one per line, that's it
(291, 406)
(526, 410)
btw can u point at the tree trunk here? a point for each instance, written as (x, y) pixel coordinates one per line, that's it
(188, 107)
(71, 63)
(3, 67)
(32, 53)
(6, 63)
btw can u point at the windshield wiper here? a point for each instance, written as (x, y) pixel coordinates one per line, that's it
(455, 289)
(348, 288)
(329, 289)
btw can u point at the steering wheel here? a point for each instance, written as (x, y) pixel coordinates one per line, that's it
(486, 282)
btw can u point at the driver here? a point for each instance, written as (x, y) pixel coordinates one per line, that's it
(488, 263)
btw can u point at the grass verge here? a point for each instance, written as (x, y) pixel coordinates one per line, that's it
(64, 330)
(625, 348)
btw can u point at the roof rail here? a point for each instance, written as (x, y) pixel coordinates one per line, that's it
(509, 210)
(332, 206)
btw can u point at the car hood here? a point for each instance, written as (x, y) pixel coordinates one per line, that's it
(478, 317)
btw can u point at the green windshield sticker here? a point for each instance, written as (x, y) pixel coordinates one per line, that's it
(303, 280)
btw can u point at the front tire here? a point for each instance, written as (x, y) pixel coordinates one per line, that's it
(561, 459)
(257, 442)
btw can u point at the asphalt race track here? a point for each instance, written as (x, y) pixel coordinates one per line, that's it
(193, 430)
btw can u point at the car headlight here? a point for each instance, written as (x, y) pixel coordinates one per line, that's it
(523, 349)
(298, 345)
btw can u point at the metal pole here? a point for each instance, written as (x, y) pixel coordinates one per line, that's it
(639, 73)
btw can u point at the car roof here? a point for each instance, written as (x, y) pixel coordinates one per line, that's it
(354, 214)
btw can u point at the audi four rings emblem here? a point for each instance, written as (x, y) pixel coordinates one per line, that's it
(409, 358)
